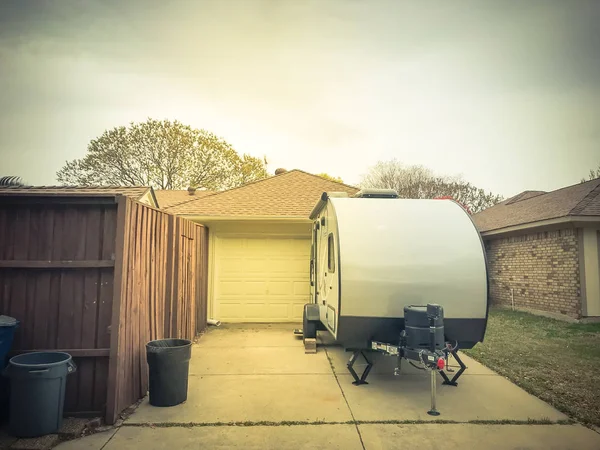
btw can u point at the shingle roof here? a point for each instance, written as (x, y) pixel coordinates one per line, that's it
(533, 206)
(167, 198)
(135, 192)
(292, 194)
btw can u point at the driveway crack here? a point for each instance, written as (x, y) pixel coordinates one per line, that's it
(110, 439)
(354, 421)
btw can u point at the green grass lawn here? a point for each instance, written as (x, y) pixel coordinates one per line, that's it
(556, 361)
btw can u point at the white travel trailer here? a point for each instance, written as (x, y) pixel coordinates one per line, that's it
(375, 254)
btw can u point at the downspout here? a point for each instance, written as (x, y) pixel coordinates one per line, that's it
(512, 298)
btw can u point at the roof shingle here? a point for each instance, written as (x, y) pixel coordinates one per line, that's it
(167, 198)
(292, 194)
(533, 206)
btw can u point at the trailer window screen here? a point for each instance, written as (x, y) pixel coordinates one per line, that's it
(330, 253)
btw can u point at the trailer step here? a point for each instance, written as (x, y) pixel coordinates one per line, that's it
(310, 345)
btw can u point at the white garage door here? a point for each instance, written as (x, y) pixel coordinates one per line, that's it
(261, 279)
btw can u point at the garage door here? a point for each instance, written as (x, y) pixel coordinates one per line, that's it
(262, 279)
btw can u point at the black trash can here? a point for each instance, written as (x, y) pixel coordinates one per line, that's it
(37, 392)
(168, 368)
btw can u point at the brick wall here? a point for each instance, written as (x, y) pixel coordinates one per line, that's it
(542, 268)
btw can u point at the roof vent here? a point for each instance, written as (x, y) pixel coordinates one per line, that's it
(280, 171)
(525, 195)
(191, 190)
(11, 181)
(376, 193)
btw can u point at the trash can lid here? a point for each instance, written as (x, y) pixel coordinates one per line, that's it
(6, 321)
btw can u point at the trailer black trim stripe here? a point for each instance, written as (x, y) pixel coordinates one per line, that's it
(487, 277)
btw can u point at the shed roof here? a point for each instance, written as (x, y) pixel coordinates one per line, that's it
(528, 207)
(291, 194)
(135, 192)
(169, 198)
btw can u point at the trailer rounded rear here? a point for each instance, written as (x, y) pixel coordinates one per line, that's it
(391, 253)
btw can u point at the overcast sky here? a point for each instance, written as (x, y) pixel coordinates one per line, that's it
(505, 93)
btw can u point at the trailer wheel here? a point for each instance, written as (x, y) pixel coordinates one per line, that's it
(309, 328)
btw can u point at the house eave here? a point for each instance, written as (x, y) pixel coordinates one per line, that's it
(572, 221)
(153, 195)
(212, 219)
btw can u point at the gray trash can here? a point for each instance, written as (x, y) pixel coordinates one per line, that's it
(8, 325)
(37, 392)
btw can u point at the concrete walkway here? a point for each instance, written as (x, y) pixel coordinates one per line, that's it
(253, 387)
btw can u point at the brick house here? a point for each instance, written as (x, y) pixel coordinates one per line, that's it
(543, 250)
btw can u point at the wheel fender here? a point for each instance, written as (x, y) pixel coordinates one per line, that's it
(311, 310)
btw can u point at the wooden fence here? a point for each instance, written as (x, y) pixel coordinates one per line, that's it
(98, 277)
(156, 293)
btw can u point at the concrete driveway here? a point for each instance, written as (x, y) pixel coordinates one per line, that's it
(253, 387)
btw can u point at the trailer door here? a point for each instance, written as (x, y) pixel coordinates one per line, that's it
(313, 264)
(327, 276)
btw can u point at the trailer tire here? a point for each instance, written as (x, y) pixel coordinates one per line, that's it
(309, 328)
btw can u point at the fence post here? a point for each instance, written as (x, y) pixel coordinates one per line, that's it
(114, 365)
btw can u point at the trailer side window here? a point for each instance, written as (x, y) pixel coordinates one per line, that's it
(330, 253)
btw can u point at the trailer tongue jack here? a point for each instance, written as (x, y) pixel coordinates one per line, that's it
(422, 344)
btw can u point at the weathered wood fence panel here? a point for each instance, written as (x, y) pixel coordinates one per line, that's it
(53, 283)
(99, 277)
(156, 296)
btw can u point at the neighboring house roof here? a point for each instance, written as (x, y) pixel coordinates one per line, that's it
(533, 206)
(291, 194)
(167, 198)
(524, 196)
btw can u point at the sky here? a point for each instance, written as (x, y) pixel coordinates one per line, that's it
(506, 94)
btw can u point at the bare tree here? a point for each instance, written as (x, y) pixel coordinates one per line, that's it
(164, 155)
(420, 182)
(592, 175)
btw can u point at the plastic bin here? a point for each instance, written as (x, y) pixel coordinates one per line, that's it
(37, 392)
(168, 367)
(8, 325)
